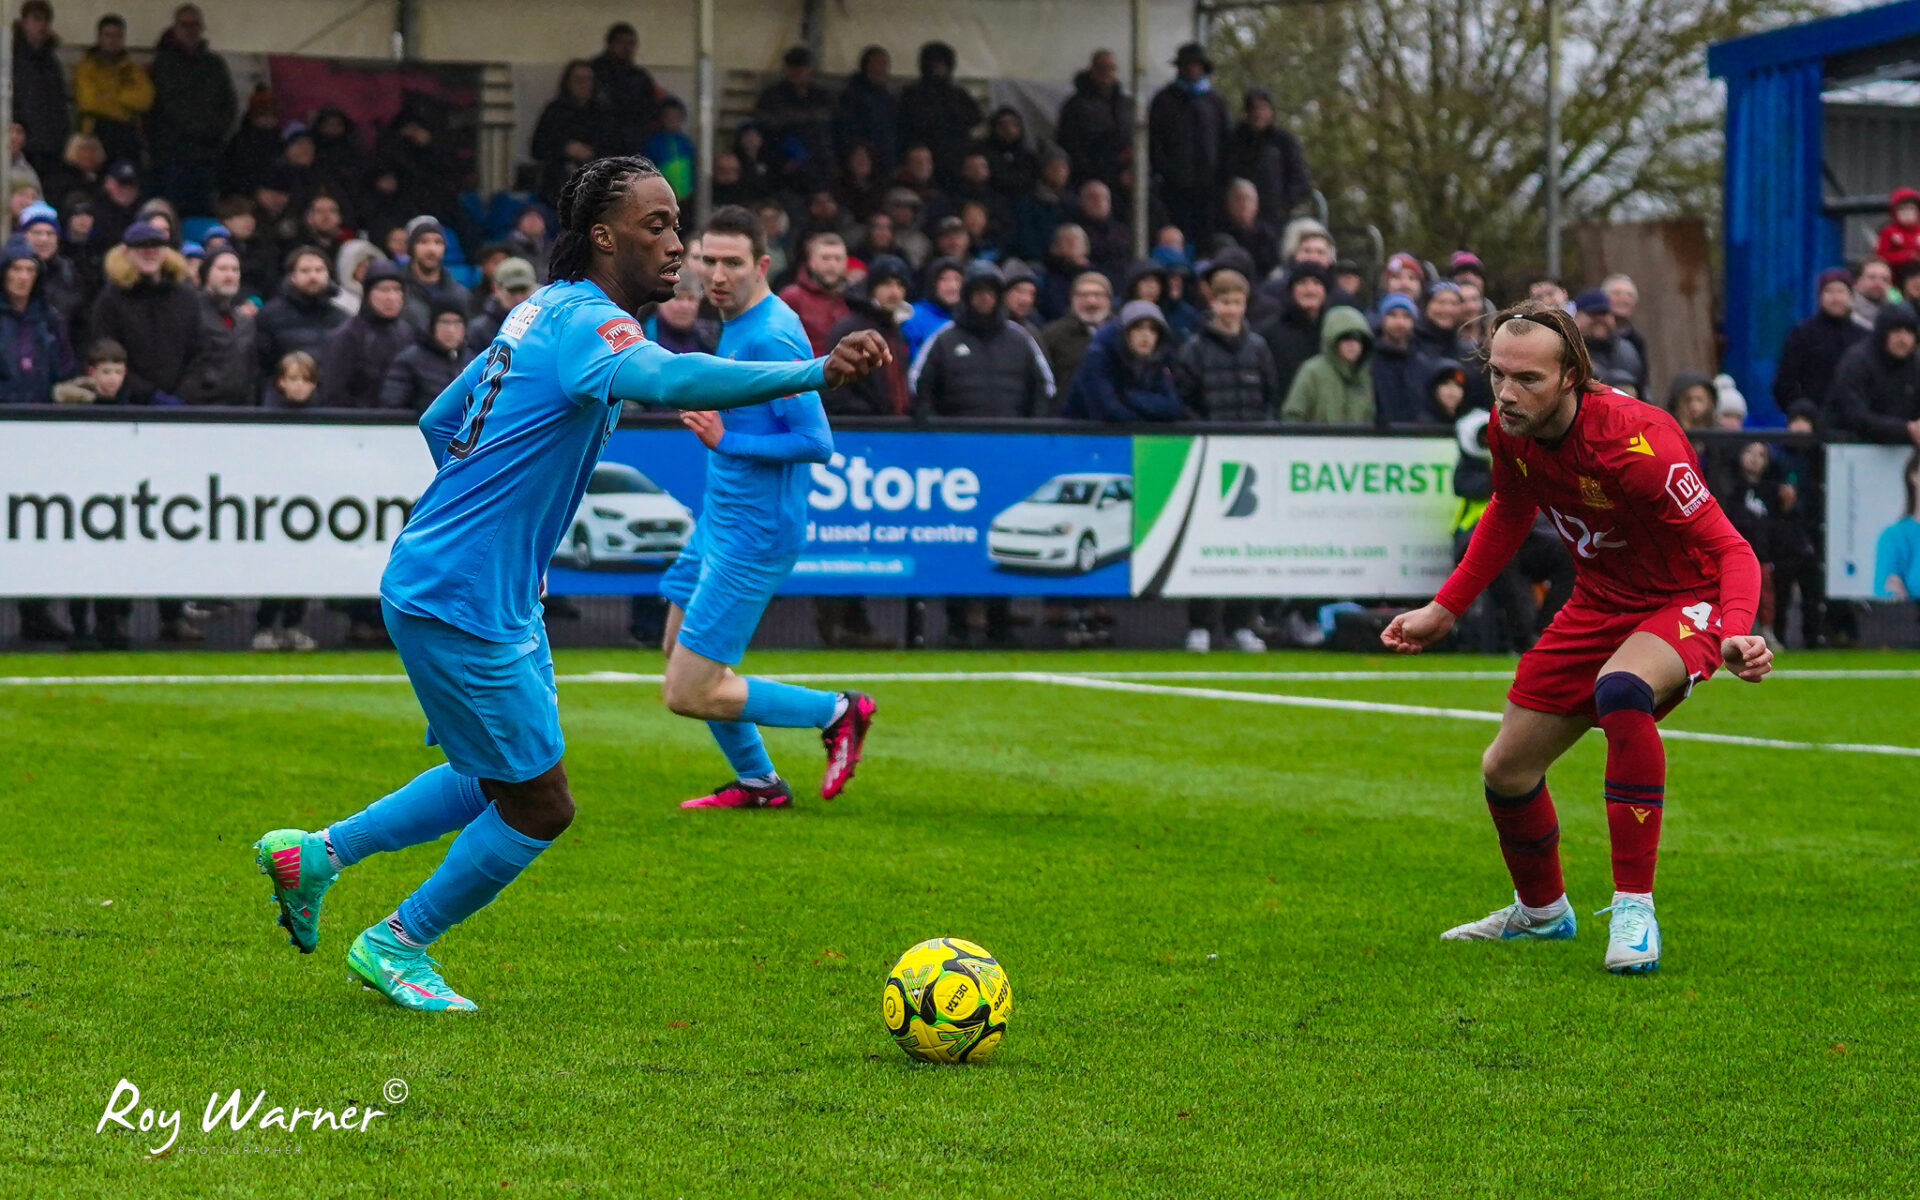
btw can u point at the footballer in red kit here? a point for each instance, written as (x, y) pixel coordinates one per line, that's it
(1665, 595)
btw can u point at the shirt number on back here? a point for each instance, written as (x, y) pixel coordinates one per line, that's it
(1699, 614)
(498, 360)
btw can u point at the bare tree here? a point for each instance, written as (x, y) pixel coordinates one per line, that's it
(1427, 117)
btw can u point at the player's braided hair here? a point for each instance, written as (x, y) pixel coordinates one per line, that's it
(1575, 364)
(584, 202)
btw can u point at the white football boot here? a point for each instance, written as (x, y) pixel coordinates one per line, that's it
(1512, 922)
(1633, 936)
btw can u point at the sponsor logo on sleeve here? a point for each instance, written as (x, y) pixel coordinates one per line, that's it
(519, 320)
(620, 333)
(1683, 484)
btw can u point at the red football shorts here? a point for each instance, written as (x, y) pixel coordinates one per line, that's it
(1557, 675)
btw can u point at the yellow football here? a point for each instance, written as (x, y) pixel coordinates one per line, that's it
(947, 1001)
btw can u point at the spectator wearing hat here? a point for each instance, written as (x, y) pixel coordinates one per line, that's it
(60, 284)
(149, 308)
(338, 154)
(427, 278)
(1292, 333)
(1437, 333)
(1611, 354)
(1401, 368)
(867, 112)
(1335, 386)
(193, 107)
(355, 357)
(1875, 395)
(1096, 122)
(1464, 265)
(879, 303)
(1022, 294)
(1814, 347)
(115, 208)
(1066, 339)
(111, 91)
(797, 114)
(1267, 155)
(937, 113)
(78, 248)
(35, 353)
(1187, 130)
(418, 374)
(1404, 274)
(300, 157)
(40, 85)
(903, 206)
(513, 281)
(938, 303)
(226, 367)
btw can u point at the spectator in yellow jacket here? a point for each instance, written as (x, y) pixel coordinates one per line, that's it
(112, 91)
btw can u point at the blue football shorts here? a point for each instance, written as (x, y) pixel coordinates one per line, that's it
(491, 706)
(723, 598)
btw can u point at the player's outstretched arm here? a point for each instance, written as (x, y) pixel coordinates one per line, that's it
(1412, 632)
(652, 375)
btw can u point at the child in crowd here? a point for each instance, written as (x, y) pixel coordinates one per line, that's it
(1900, 238)
(294, 381)
(106, 372)
(672, 150)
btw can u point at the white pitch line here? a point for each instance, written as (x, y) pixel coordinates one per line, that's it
(1445, 676)
(1463, 714)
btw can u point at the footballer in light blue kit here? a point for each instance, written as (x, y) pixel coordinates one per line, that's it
(515, 438)
(752, 528)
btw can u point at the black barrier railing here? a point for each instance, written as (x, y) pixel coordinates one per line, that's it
(219, 415)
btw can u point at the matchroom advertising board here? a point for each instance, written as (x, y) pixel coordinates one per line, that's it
(1281, 516)
(157, 508)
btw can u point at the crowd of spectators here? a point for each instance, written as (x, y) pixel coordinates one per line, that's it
(998, 264)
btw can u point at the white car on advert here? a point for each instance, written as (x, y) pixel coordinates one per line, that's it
(625, 520)
(1070, 523)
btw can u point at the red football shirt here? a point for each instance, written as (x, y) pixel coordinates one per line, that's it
(1624, 491)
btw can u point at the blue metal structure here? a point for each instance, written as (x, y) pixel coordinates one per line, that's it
(1777, 236)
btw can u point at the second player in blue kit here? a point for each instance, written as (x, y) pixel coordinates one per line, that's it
(753, 526)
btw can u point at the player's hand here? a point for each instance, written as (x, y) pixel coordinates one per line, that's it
(1747, 656)
(706, 425)
(1412, 632)
(857, 355)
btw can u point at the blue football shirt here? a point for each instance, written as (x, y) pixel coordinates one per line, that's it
(756, 498)
(534, 413)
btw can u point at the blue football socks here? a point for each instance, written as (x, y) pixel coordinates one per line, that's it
(435, 803)
(486, 857)
(787, 705)
(746, 752)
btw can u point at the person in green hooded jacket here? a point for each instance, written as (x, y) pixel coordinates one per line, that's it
(1335, 386)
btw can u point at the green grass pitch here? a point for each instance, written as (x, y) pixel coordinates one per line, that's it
(1219, 919)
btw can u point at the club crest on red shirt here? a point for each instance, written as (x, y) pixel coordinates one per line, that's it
(620, 333)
